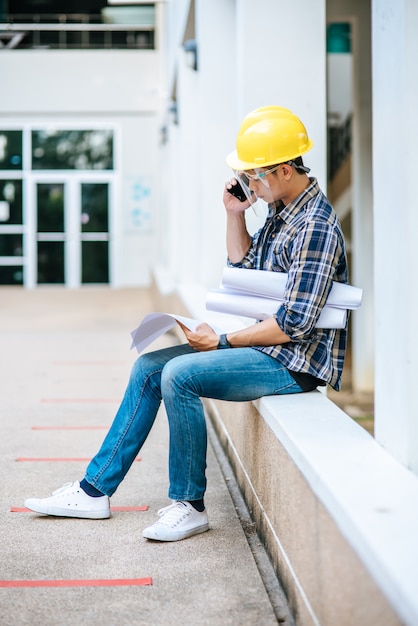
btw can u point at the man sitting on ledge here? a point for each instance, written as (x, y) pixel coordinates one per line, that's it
(283, 354)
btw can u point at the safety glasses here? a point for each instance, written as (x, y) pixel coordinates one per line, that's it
(259, 173)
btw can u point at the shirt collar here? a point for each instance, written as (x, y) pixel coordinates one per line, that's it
(288, 211)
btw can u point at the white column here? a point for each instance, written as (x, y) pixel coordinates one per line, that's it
(281, 59)
(395, 164)
(178, 174)
(249, 57)
(187, 173)
(217, 124)
(362, 327)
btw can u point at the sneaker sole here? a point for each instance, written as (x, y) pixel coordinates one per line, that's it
(58, 512)
(176, 536)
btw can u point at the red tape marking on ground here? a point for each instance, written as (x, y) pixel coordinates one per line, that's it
(144, 507)
(88, 363)
(79, 400)
(69, 427)
(116, 582)
(27, 459)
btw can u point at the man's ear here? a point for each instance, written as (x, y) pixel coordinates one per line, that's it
(287, 171)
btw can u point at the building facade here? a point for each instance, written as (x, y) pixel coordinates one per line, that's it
(79, 127)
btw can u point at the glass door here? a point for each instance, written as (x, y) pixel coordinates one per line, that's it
(94, 222)
(51, 233)
(72, 231)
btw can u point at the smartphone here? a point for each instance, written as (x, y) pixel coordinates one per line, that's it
(237, 191)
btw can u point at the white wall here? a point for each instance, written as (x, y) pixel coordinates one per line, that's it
(77, 81)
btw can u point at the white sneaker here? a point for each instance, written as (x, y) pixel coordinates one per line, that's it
(71, 501)
(177, 521)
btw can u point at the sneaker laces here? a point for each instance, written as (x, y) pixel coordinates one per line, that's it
(61, 489)
(170, 514)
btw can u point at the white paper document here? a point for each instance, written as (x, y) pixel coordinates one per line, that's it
(246, 305)
(156, 324)
(272, 285)
(257, 294)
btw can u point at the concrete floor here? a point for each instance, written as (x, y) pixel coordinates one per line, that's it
(64, 366)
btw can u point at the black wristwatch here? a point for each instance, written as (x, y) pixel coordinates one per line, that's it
(223, 343)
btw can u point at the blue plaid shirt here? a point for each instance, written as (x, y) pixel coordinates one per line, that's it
(304, 239)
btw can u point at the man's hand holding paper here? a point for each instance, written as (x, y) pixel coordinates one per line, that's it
(203, 338)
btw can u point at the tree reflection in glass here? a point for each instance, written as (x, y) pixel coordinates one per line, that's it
(72, 149)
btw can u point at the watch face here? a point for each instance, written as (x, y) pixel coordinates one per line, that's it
(223, 342)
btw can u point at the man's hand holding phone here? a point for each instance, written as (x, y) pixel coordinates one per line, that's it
(235, 199)
(237, 191)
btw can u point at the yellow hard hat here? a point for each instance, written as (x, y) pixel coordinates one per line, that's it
(267, 136)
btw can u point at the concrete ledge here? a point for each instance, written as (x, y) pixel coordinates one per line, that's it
(338, 515)
(372, 499)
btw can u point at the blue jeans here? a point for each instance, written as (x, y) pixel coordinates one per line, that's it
(180, 376)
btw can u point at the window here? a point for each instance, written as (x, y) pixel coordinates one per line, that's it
(11, 245)
(50, 204)
(95, 262)
(94, 208)
(72, 149)
(56, 207)
(10, 149)
(50, 262)
(11, 275)
(10, 202)
(11, 209)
